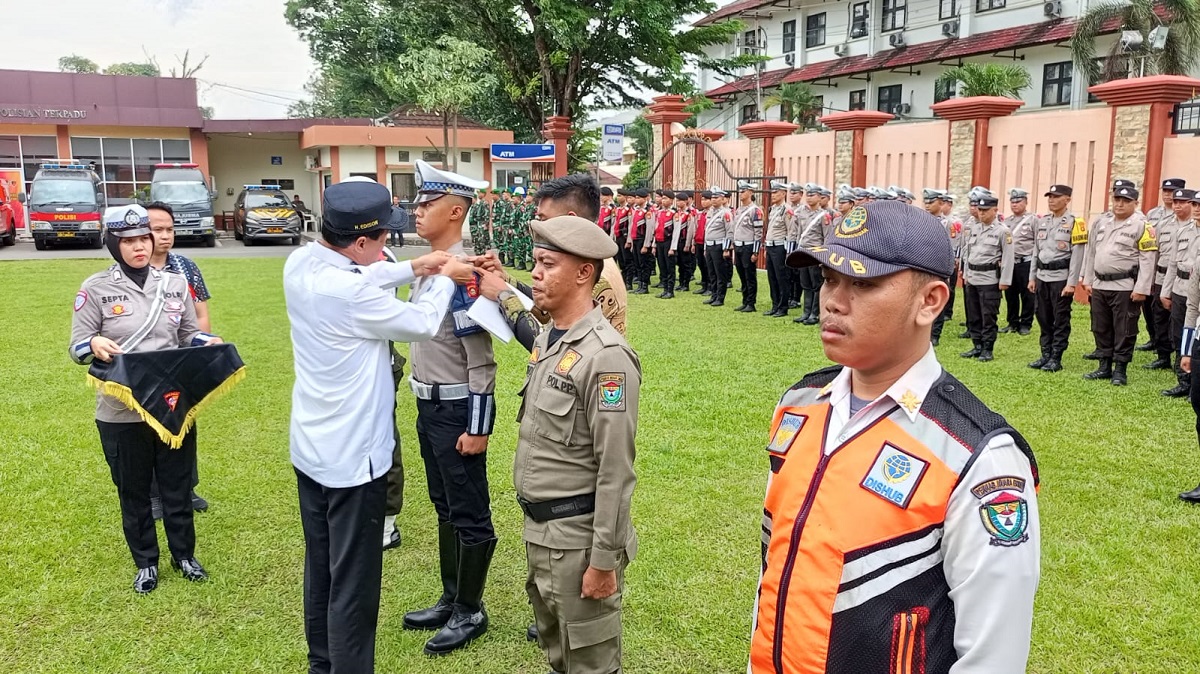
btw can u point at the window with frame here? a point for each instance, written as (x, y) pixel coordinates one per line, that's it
(859, 14)
(1056, 83)
(988, 5)
(464, 157)
(894, 14)
(789, 36)
(434, 157)
(814, 30)
(750, 42)
(1100, 78)
(858, 99)
(749, 113)
(889, 98)
(947, 9)
(944, 91)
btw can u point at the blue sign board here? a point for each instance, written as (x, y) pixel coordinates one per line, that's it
(522, 152)
(276, 160)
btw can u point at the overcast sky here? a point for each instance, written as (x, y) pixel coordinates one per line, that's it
(249, 44)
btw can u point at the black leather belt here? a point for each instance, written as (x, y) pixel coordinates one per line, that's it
(1055, 266)
(1119, 276)
(1185, 275)
(557, 509)
(1161, 270)
(995, 266)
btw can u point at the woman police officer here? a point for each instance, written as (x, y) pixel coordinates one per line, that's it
(131, 307)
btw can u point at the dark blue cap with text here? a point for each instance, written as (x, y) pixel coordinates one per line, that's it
(357, 207)
(882, 238)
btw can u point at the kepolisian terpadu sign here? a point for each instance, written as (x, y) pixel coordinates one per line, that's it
(522, 152)
(41, 113)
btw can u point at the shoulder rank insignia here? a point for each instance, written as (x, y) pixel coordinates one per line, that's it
(1079, 233)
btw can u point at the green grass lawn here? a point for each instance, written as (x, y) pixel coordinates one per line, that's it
(1120, 567)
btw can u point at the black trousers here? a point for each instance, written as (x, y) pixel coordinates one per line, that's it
(747, 273)
(343, 567)
(686, 263)
(134, 455)
(195, 470)
(1053, 316)
(395, 475)
(700, 261)
(720, 270)
(1019, 300)
(1160, 319)
(1178, 314)
(666, 264)
(983, 308)
(811, 282)
(1115, 324)
(1147, 312)
(779, 279)
(458, 485)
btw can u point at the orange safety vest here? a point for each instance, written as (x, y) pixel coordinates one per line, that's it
(852, 577)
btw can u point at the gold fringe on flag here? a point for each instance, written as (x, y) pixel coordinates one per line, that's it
(174, 441)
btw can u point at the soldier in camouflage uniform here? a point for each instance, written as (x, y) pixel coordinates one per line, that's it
(523, 240)
(500, 213)
(478, 217)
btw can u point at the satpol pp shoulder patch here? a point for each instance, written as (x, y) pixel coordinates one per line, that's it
(895, 475)
(612, 391)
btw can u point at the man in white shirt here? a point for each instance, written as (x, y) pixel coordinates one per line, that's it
(900, 527)
(342, 318)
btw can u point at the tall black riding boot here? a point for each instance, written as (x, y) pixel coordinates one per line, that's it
(435, 617)
(469, 620)
(1103, 371)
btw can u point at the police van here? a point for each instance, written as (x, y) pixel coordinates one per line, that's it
(64, 204)
(264, 213)
(184, 188)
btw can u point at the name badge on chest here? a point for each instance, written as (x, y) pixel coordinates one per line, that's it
(895, 475)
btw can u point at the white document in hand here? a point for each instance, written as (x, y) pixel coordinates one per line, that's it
(488, 314)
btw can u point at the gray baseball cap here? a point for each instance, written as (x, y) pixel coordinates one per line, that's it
(882, 238)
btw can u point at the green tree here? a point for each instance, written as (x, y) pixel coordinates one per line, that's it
(800, 105)
(136, 69)
(583, 150)
(987, 79)
(638, 171)
(642, 133)
(1179, 55)
(77, 64)
(444, 78)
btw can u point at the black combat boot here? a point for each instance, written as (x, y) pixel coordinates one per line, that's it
(1103, 371)
(985, 354)
(1192, 496)
(965, 334)
(1148, 346)
(1181, 389)
(1095, 355)
(435, 617)
(973, 353)
(1040, 362)
(1119, 377)
(641, 289)
(669, 292)
(1054, 363)
(469, 619)
(1163, 362)
(520, 265)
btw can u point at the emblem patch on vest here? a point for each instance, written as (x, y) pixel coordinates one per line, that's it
(785, 434)
(895, 475)
(1006, 519)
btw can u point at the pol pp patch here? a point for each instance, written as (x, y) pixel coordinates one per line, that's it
(612, 392)
(895, 475)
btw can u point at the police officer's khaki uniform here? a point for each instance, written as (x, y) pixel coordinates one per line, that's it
(1181, 266)
(779, 284)
(1018, 299)
(988, 264)
(1057, 261)
(1119, 261)
(576, 447)
(1158, 317)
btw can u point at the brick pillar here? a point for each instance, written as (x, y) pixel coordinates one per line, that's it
(664, 111)
(335, 165)
(200, 150)
(970, 153)
(558, 131)
(1141, 110)
(762, 137)
(712, 136)
(849, 140)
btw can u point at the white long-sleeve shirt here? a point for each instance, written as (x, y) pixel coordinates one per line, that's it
(342, 318)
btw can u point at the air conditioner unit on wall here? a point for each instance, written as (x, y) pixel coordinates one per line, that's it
(896, 39)
(901, 109)
(841, 49)
(310, 162)
(950, 28)
(1052, 9)
(789, 59)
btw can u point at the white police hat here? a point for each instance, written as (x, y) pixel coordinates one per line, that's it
(435, 183)
(1017, 193)
(127, 221)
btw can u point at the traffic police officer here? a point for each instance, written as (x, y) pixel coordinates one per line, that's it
(573, 471)
(778, 276)
(900, 527)
(1156, 312)
(747, 235)
(1118, 274)
(1059, 240)
(1018, 297)
(988, 271)
(453, 378)
(816, 229)
(718, 246)
(127, 308)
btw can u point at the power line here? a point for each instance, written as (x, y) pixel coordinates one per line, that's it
(289, 99)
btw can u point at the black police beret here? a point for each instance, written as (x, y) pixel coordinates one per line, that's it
(606, 191)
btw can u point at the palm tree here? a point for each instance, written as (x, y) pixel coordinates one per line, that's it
(1177, 57)
(987, 79)
(800, 105)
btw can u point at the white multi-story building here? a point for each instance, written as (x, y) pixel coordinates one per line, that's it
(888, 54)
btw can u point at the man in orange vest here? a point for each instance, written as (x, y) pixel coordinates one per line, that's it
(900, 530)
